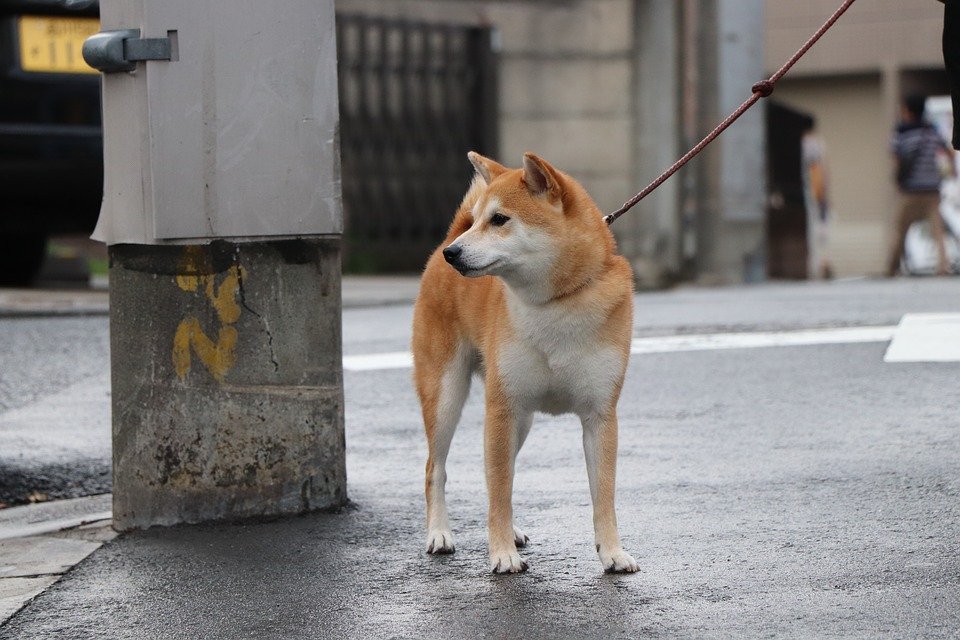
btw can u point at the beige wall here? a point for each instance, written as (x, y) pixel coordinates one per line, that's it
(873, 34)
(851, 82)
(849, 117)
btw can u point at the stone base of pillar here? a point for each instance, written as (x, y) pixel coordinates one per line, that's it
(227, 388)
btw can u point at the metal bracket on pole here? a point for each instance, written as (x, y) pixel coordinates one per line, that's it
(113, 51)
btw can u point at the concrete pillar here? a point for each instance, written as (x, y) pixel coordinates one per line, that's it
(222, 212)
(651, 232)
(227, 380)
(743, 159)
(731, 183)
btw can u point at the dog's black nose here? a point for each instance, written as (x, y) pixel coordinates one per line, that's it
(452, 252)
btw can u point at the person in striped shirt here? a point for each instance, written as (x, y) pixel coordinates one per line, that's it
(923, 159)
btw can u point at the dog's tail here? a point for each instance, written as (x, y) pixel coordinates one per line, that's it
(464, 218)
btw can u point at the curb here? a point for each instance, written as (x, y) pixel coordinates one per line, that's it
(358, 292)
(40, 543)
(25, 303)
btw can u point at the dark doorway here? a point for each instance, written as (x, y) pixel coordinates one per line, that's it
(786, 208)
(414, 98)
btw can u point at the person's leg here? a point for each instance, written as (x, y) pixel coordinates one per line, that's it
(909, 210)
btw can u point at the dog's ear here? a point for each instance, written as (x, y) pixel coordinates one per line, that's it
(486, 168)
(541, 178)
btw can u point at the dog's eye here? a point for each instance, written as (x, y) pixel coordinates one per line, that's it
(498, 220)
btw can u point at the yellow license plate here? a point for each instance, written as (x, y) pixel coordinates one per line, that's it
(53, 45)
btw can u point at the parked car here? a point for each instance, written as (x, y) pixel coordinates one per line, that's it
(51, 162)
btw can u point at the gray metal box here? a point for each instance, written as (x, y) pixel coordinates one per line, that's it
(235, 137)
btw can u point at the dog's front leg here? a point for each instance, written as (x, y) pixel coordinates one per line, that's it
(600, 451)
(501, 441)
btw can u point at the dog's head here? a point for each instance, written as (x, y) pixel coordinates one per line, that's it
(534, 224)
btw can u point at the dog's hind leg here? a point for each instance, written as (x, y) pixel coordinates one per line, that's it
(600, 451)
(443, 385)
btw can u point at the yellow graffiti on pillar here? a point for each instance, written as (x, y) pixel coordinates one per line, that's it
(219, 356)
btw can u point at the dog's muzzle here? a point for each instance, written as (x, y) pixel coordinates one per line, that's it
(452, 252)
(452, 255)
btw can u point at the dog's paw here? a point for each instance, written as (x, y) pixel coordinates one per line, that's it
(520, 538)
(507, 562)
(617, 561)
(440, 541)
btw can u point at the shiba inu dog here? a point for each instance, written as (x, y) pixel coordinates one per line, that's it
(527, 291)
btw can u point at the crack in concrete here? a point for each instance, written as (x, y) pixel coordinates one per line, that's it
(266, 325)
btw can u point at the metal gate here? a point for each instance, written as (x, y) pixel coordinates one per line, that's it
(414, 98)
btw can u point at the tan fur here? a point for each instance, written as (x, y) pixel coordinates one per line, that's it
(587, 286)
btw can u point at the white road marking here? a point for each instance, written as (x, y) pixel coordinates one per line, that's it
(375, 361)
(926, 337)
(672, 344)
(753, 340)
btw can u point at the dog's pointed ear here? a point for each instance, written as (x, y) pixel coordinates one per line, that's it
(541, 178)
(486, 168)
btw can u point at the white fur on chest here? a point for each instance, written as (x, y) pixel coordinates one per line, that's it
(557, 362)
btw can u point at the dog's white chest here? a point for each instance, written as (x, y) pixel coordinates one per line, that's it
(557, 363)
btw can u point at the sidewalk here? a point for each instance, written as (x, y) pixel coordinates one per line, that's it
(39, 543)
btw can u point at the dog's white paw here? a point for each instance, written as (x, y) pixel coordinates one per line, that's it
(507, 562)
(617, 561)
(520, 538)
(440, 541)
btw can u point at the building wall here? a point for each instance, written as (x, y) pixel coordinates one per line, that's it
(595, 87)
(566, 73)
(849, 112)
(872, 34)
(852, 83)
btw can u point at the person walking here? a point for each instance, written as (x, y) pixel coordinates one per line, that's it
(951, 60)
(813, 161)
(923, 158)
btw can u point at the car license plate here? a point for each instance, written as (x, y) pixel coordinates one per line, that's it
(53, 45)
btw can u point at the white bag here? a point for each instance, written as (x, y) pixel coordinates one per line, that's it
(920, 250)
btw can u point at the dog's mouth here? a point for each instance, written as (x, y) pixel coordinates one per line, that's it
(473, 272)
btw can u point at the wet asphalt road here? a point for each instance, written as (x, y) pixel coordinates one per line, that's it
(803, 492)
(40, 359)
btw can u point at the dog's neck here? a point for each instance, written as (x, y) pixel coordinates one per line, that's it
(572, 291)
(540, 291)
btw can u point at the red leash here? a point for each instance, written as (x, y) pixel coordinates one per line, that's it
(760, 90)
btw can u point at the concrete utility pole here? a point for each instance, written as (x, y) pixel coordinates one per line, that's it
(724, 199)
(695, 62)
(649, 234)
(222, 214)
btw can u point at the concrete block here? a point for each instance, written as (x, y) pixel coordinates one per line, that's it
(590, 146)
(564, 87)
(608, 191)
(538, 28)
(593, 26)
(227, 381)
